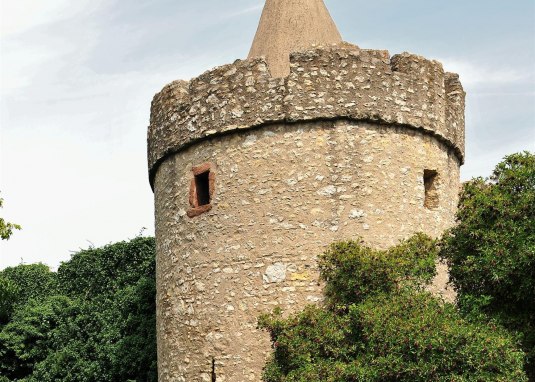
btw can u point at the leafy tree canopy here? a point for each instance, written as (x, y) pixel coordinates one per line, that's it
(353, 271)
(20, 284)
(6, 228)
(380, 325)
(93, 321)
(491, 250)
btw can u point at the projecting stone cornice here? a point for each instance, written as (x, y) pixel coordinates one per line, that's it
(325, 83)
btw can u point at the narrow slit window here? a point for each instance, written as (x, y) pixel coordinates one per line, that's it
(431, 193)
(201, 190)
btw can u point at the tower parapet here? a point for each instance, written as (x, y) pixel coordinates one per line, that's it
(325, 83)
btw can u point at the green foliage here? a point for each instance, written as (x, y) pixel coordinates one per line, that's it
(6, 228)
(353, 271)
(381, 326)
(133, 319)
(491, 251)
(27, 339)
(31, 281)
(8, 296)
(103, 271)
(86, 332)
(403, 336)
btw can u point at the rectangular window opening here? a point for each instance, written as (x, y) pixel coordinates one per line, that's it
(430, 185)
(202, 188)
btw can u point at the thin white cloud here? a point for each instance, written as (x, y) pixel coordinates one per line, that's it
(245, 11)
(475, 74)
(41, 56)
(21, 63)
(21, 15)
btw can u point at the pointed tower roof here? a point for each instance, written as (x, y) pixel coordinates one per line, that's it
(290, 25)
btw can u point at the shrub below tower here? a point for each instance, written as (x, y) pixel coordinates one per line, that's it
(380, 325)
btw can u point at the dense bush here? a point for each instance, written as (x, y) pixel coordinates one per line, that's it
(353, 271)
(380, 325)
(491, 251)
(29, 281)
(29, 337)
(99, 272)
(8, 297)
(96, 324)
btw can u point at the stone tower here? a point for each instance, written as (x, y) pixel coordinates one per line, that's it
(258, 165)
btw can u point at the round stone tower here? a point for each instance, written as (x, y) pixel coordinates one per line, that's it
(257, 166)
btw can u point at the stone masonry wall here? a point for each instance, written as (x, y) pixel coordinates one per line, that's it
(339, 81)
(282, 194)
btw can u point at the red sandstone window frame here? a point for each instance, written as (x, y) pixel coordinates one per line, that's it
(197, 209)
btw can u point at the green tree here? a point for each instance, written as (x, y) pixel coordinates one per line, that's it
(8, 297)
(29, 337)
(20, 284)
(6, 228)
(353, 271)
(93, 322)
(380, 325)
(32, 281)
(491, 250)
(101, 272)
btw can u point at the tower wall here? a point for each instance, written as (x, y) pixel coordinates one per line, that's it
(334, 151)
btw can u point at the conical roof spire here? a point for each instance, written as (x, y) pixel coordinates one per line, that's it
(290, 25)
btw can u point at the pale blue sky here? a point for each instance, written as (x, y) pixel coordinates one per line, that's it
(77, 78)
